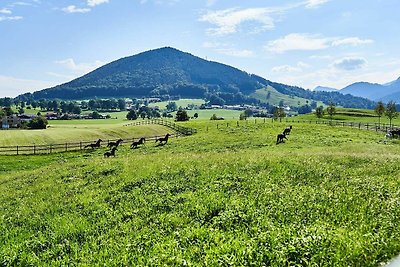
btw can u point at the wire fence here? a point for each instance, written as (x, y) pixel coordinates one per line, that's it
(81, 145)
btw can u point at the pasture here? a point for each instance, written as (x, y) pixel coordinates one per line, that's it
(226, 196)
(78, 130)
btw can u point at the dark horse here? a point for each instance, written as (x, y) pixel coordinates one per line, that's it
(280, 138)
(163, 139)
(394, 133)
(136, 143)
(116, 144)
(111, 152)
(95, 145)
(287, 130)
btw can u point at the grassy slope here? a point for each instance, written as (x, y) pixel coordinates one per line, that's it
(355, 115)
(78, 130)
(276, 97)
(226, 196)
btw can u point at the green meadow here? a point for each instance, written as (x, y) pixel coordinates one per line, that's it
(226, 196)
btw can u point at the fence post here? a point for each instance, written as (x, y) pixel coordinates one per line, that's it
(34, 150)
(66, 146)
(17, 151)
(80, 145)
(51, 148)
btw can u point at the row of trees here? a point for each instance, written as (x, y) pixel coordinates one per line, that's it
(390, 111)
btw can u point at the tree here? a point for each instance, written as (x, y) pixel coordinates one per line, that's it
(132, 115)
(181, 115)
(304, 109)
(380, 110)
(38, 123)
(248, 112)
(331, 109)
(279, 112)
(121, 104)
(171, 106)
(77, 109)
(391, 112)
(319, 112)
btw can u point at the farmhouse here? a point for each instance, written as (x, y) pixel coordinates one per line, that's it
(10, 122)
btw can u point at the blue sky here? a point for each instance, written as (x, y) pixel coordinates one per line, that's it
(299, 42)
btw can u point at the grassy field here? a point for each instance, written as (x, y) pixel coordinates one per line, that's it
(179, 103)
(227, 196)
(78, 130)
(276, 97)
(354, 115)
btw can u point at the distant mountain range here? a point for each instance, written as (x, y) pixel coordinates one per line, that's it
(170, 72)
(325, 89)
(373, 91)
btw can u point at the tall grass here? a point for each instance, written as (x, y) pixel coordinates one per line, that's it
(225, 196)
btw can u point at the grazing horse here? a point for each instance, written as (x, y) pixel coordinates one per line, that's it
(280, 138)
(110, 153)
(116, 144)
(95, 145)
(163, 139)
(136, 143)
(287, 130)
(394, 133)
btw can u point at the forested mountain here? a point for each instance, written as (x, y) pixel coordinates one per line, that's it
(168, 72)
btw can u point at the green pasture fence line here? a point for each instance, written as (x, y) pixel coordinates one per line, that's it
(64, 147)
(382, 127)
(178, 128)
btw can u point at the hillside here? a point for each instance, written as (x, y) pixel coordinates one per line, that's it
(170, 72)
(164, 71)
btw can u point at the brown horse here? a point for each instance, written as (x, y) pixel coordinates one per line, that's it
(163, 139)
(287, 130)
(280, 138)
(95, 145)
(136, 143)
(116, 144)
(111, 152)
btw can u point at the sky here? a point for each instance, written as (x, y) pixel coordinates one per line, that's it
(306, 43)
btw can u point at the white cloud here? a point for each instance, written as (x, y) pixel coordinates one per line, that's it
(13, 18)
(297, 41)
(228, 21)
(11, 86)
(235, 52)
(93, 3)
(74, 9)
(354, 41)
(5, 11)
(315, 3)
(81, 68)
(290, 69)
(309, 42)
(350, 63)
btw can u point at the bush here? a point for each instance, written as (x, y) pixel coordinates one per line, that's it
(38, 123)
(182, 115)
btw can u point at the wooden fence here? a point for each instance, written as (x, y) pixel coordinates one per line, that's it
(382, 127)
(68, 146)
